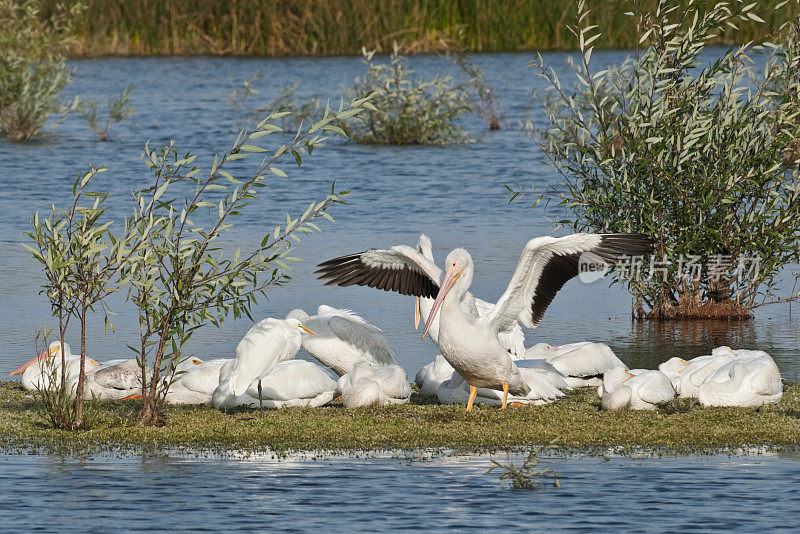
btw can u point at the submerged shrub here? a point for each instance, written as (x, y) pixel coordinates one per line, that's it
(404, 110)
(33, 69)
(119, 109)
(700, 156)
(249, 111)
(527, 476)
(484, 96)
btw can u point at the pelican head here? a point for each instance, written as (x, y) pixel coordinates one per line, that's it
(53, 350)
(615, 375)
(458, 272)
(295, 322)
(424, 246)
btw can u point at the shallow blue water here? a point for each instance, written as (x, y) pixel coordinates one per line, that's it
(716, 493)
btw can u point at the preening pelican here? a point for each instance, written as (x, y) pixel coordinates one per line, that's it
(290, 383)
(35, 373)
(582, 364)
(750, 379)
(266, 344)
(368, 384)
(470, 345)
(342, 339)
(639, 389)
(512, 340)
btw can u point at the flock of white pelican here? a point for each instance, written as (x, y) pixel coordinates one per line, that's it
(482, 357)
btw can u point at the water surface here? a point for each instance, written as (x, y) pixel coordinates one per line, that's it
(715, 493)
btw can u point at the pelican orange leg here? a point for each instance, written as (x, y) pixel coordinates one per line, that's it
(473, 392)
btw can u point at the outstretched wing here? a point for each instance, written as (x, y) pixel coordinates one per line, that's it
(401, 269)
(546, 264)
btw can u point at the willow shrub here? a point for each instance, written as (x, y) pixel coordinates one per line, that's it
(81, 260)
(702, 156)
(404, 110)
(186, 276)
(33, 68)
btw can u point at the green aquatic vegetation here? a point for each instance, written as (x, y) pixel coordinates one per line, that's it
(701, 156)
(249, 108)
(119, 109)
(404, 110)
(528, 475)
(576, 421)
(483, 94)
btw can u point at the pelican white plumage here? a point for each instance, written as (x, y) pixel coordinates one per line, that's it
(513, 340)
(36, 373)
(432, 375)
(541, 390)
(639, 389)
(750, 379)
(687, 375)
(268, 343)
(291, 383)
(342, 338)
(368, 384)
(121, 378)
(197, 384)
(470, 345)
(582, 364)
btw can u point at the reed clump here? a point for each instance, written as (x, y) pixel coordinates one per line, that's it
(343, 27)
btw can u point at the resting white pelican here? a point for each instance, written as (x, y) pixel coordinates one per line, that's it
(512, 340)
(639, 389)
(750, 379)
(290, 383)
(121, 379)
(687, 375)
(197, 384)
(471, 345)
(35, 373)
(541, 391)
(431, 376)
(582, 364)
(368, 384)
(266, 344)
(342, 339)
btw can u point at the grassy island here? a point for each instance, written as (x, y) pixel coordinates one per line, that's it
(577, 422)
